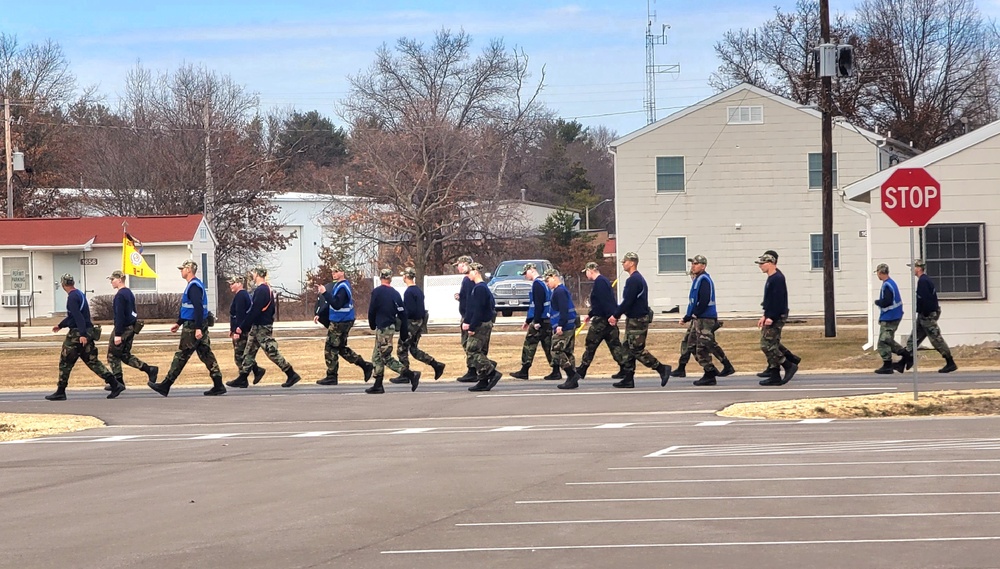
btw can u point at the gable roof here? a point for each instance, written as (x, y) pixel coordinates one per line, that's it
(96, 231)
(759, 93)
(936, 154)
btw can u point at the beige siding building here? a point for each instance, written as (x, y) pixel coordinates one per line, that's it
(955, 243)
(731, 177)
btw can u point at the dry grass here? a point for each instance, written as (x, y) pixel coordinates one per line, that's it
(966, 402)
(17, 426)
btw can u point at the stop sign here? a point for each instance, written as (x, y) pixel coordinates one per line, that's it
(911, 197)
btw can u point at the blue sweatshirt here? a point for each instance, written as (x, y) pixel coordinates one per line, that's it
(413, 302)
(124, 309)
(635, 301)
(927, 299)
(464, 293)
(78, 313)
(385, 307)
(563, 311)
(481, 307)
(602, 298)
(775, 302)
(261, 310)
(238, 309)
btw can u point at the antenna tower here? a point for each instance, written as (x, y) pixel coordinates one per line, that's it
(652, 69)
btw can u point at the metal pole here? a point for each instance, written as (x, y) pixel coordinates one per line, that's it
(7, 151)
(913, 316)
(18, 314)
(586, 220)
(829, 307)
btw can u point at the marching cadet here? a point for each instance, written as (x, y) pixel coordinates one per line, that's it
(890, 304)
(775, 316)
(340, 312)
(784, 350)
(563, 320)
(537, 325)
(384, 311)
(416, 316)
(928, 312)
(702, 319)
(462, 296)
(478, 323)
(237, 310)
(635, 307)
(193, 323)
(258, 325)
(688, 350)
(79, 342)
(126, 327)
(602, 307)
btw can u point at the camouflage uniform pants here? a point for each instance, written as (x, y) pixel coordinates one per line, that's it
(601, 331)
(190, 345)
(701, 335)
(688, 349)
(562, 349)
(262, 337)
(887, 344)
(635, 344)
(239, 348)
(73, 350)
(409, 346)
(477, 346)
(927, 327)
(770, 342)
(382, 352)
(543, 336)
(336, 345)
(122, 353)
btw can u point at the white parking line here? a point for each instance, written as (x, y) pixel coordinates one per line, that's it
(689, 391)
(213, 436)
(771, 497)
(778, 479)
(412, 431)
(614, 425)
(703, 544)
(789, 464)
(115, 439)
(314, 434)
(713, 423)
(814, 421)
(732, 519)
(510, 428)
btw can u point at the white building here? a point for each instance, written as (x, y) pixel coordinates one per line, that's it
(733, 176)
(90, 249)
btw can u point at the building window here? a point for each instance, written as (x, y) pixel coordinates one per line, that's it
(142, 283)
(670, 254)
(956, 259)
(204, 270)
(669, 173)
(10, 264)
(203, 234)
(745, 115)
(816, 170)
(816, 251)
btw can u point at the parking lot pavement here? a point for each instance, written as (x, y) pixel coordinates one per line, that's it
(512, 478)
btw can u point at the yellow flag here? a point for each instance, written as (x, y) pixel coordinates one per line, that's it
(132, 261)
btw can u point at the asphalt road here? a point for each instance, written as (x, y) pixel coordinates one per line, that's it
(523, 476)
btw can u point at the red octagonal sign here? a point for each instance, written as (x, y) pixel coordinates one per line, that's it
(911, 197)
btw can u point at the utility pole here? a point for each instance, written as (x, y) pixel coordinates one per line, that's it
(829, 311)
(8, 158)
(209, 182)
(652, 69)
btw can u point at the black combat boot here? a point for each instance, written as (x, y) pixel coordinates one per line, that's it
(469, 377)
(708, 378)
(582, 371)
(790, 369)
(679, 371)
(240, 381)
(376, 388)
(886, 368)
(664, 371)
(773, 376)
(900, 366)
(60, 394)
(151, 372)
(413, 378)
(621, 373)
(258, 374)
(438, 368)
(767, 372)
(555, 375)
(116, 386)
(627, 382)
(573, 378)
(727, 369)
(292, 377)
(521, 373)
(790, 356)
(399, 379)
(107, 386)
(367, 368)
(949, 366)
(161, 388)
(328, 380)
(217, 387)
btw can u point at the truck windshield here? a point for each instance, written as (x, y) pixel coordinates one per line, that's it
(508, 269)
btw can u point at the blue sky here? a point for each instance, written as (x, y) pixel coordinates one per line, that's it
(299, 53)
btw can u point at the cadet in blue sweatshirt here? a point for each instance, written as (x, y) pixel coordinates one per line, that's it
(339, 301)
(602, 307)
(478, 323)
(775, 316)
(564, 322)
(416, 317)
(462, 296)
(635, 307)
(385, 313)
(120, 343)
(258, 325)
(890, 304)
(928, 312)
(79, 342)
(237, 310)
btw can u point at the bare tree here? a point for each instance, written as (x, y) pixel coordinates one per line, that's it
(433, 130)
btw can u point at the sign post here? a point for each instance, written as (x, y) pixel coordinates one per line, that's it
(18, 279)
(911, 197)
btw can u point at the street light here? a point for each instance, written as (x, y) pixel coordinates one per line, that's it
(586, 215)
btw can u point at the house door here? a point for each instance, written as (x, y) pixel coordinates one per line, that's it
(61, 264)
